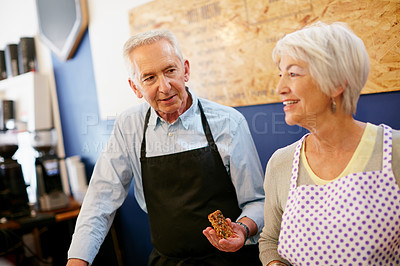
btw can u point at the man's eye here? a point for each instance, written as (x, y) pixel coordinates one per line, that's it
(171, 70)
(148, 79)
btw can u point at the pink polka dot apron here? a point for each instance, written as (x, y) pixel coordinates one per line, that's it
(354, 220)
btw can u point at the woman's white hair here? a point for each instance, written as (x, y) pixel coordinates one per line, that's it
(335, 55)
(145, 38)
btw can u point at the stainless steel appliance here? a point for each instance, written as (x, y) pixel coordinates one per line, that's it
(50, 194)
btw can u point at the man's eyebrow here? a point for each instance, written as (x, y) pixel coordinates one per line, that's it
(173, 65)
(144, 75)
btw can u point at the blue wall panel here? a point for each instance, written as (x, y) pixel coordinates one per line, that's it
(270, 132)
(85, 135)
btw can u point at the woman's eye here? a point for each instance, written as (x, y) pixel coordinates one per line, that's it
(291, 74)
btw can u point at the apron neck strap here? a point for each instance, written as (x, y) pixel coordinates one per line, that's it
(296, 163)
(387, 148)
(146, 122)
(206, 128)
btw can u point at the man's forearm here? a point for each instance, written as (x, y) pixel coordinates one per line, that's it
(76, 262)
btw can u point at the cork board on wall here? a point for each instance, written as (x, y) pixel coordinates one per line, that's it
(229, 42)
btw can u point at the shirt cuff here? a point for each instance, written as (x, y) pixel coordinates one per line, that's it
(253, 212)
(83, 248)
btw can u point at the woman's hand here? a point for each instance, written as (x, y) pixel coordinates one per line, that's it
(231, 244)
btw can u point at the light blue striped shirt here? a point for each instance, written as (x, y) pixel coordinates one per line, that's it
(119, 165)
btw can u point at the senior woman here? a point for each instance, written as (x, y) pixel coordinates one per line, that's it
(333, 197)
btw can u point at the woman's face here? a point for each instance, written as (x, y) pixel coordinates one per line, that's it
(304, 103)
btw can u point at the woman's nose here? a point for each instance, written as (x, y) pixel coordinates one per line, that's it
(282, 86)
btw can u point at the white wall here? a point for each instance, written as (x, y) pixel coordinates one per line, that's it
(18, 19)
(108, 30)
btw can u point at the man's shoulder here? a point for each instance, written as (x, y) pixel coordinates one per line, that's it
(138, 110)
(215, 109)
(134, 115)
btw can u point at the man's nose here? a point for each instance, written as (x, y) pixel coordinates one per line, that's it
(164, 85)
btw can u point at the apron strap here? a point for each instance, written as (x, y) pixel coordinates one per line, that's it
(143, 147)
(296, 163)
(387, 148)
(206, 127)
(204, 122)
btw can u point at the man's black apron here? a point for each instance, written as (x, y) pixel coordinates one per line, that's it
(180, 190)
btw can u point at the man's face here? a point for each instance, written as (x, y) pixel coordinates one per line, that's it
(160, 78)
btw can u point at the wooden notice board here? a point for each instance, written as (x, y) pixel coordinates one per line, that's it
(229, 42)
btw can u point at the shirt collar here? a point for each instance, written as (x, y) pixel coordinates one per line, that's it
(155, 120)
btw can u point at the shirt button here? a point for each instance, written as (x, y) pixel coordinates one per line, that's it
(170, 134)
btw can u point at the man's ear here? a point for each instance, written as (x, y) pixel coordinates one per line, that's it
(187, 70)
(134, 88)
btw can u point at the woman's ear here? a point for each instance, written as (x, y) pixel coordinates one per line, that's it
(135, 88)
(338, 90)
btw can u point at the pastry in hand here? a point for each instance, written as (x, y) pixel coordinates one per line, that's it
(220, 225)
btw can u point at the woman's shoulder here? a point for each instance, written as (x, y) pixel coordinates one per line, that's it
(395, 134)
(395, 149)
(396, 144)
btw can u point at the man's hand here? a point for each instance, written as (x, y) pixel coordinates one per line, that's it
(76, 262)
(231, 244)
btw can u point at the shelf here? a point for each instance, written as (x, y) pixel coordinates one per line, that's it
(36, 108)
(31, 94)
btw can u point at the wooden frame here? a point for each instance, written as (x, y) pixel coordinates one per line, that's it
(61, 25)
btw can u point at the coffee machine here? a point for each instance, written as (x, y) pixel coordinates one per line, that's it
(49, 191)
(14, 202)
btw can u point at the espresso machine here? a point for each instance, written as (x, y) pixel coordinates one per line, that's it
(49, 190)
(14, 202)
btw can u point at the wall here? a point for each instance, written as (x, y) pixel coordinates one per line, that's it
(16, 24)
(18, 19)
